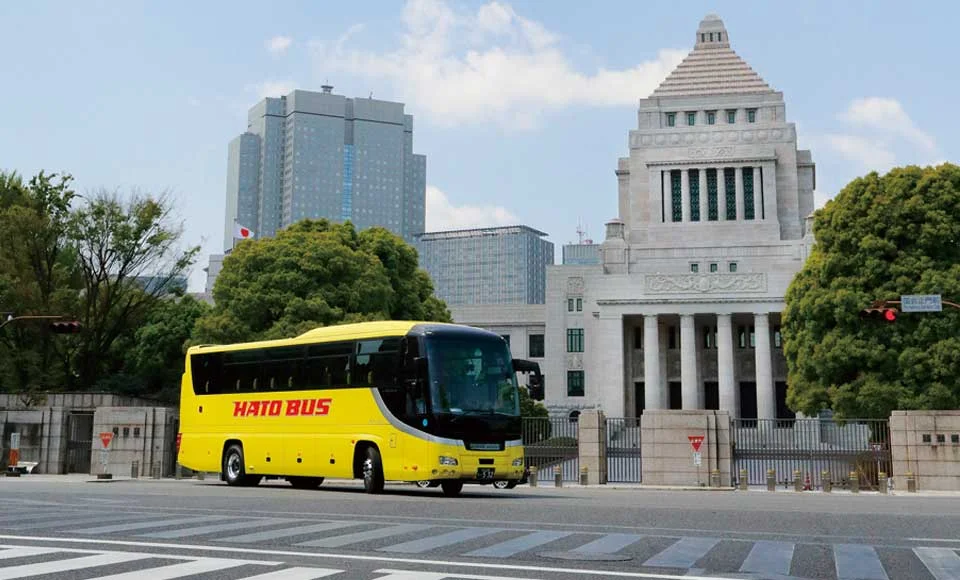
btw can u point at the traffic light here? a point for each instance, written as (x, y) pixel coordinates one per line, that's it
(888, 315)
(70, 327)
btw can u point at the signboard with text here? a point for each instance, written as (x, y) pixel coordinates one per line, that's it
(921, 303)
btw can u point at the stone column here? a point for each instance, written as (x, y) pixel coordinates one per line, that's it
(770, 190)
(689, 389)
(604, 359)
(766, 397)
(685, 194)
(738, 179)
(725, 376)
(653, 395)
(664, 369)
(704, 206)
(758, 210)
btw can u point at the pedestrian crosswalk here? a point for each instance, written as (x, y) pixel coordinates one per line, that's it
(734, 557)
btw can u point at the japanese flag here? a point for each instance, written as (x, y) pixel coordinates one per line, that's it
(242, 232)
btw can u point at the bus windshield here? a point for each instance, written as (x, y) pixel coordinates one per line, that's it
(471, 376)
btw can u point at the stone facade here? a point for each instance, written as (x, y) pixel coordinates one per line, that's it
(926, 444)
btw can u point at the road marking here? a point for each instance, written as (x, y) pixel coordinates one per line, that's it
(933, 540)
(857, 562)
(608, 544)
(179, 548)
(432, 542)
(87, 520)
(379, 533)
(69, 564)
(30, 516)
(201, 530)
(200, 566)
(288, 532)
(296, 573)
(683, 554)
(769, 558)
(943, 563)
(516, 545)
(150, 524)
(23, 552)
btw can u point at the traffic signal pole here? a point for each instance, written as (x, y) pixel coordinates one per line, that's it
(11, 318)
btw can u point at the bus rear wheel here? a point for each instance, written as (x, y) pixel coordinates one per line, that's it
(452, 488)
(305, 482)
(372, 471)
(234, 472)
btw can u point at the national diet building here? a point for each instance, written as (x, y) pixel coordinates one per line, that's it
(683, 312)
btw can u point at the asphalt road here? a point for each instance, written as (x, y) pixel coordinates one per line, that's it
(72, 528)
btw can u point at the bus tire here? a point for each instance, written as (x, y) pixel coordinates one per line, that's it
(234, 472)
(372, 471)
(452, 488)
(305, 482)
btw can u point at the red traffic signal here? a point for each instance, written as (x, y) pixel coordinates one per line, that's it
(882, 314)
(71, 327)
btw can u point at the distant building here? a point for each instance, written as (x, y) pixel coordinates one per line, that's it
(162, 284)
(585, 254)
(503, 265)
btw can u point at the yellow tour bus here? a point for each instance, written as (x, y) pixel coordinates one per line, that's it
(378, 401)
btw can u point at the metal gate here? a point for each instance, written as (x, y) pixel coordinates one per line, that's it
(79, 442)
(624, 464)
(855, 447)
(551, 442)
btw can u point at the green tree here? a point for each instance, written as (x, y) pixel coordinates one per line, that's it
(880, 238)
(317, 273)
(529, 407)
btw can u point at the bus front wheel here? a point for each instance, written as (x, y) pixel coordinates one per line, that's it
(372, 471)
(451, 488)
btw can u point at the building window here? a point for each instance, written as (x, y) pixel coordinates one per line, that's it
(731, 116)
(574, 383)
(746, 336)
(694, 268)
(703, 37)
(691, 119)
(748, 209)
(711, 117)
(671, 119)
(712, 206)
(730, 192)
(638, 337)
(673, 338)
(579, 304)
(713, 267)
(733, 266)
(710, 337)
(694, 175)
(574, 340)
(535, 346)
(569, 304)
(676, 196)
(777, 337)
(751, 115)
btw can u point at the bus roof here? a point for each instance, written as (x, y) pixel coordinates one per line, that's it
(356, 330)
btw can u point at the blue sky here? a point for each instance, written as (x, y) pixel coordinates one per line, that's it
(522, 107)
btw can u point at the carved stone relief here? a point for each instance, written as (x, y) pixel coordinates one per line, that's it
(704, 283)
(575, 285)
(574, 362)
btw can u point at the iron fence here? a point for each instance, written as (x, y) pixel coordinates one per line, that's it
(860, 447)
(550, 442)
(624, 464)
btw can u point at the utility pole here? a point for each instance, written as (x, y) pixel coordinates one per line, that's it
(11, 318)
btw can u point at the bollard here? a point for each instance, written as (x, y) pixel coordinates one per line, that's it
(825, 481)
(200, 476)
(583, 475)
(771, 480)
(911, 483)
(797, 485)
(882, 482)
(715, 478)
(178, 473)
(135, 470)
(557, 476)
(532, 477)
(743, 480)
(854, 482)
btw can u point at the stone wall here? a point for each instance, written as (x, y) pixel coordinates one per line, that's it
(668, 455)
(927, 444)
(592, 431)
(143, 435)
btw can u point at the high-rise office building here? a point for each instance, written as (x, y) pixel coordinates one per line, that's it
(504, 265)
(321, 155)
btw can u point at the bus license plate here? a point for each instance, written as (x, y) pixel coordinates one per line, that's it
(485, 473)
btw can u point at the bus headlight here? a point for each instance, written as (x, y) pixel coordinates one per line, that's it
(518, 462)
(447, 460)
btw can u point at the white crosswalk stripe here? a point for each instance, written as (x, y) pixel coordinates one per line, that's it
(69, 564)
(943, 563)
(177, 570)
(296, 573)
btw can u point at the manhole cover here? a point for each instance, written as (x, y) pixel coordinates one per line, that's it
(585, 556)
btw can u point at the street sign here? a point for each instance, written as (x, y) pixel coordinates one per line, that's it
(695, 442)
(14, 441)
(105, 438)
(921, 303)
(697, 458)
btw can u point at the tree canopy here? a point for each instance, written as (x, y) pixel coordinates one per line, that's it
(880, 238)
(317, 273)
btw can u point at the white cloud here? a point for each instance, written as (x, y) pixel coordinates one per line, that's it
(888, 115)
(443, 215)
(279, 44)
(460, 67)
(869, 153)
(274, 88)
